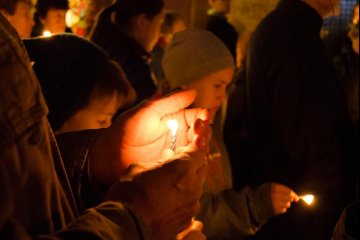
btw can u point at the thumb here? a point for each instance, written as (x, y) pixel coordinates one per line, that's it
(294, 196)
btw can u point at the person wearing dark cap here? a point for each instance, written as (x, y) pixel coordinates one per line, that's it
(128, 30)
(50, 17)
(82, 86)
(197, 59)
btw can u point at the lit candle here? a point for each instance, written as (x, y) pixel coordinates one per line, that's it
(308, 199)
(173, 126)
(47, 33)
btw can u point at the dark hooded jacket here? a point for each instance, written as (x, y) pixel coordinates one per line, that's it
(296, 130)
(132, 57)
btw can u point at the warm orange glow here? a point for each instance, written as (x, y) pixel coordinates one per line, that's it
(173, 126)
(47, 34)
(308, 199)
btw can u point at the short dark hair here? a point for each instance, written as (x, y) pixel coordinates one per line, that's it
(43, 6)
(110, 79)
(72, 71)
(127, 9)
(170, 19)
(113, 79)
(9, 6)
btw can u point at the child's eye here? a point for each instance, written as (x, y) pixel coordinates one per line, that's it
(217, 86)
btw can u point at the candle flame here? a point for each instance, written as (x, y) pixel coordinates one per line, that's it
(173, 126)
(47, 33)
(308, 199)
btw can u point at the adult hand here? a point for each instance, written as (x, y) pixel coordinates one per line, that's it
(166, 196)
(282, 197)
(141, 134)
(193, 232)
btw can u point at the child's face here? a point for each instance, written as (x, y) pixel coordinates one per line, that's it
(97, 114)
(212, 89)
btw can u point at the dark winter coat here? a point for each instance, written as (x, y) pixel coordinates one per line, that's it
(132, 57)
(218, 25)
(296, 128)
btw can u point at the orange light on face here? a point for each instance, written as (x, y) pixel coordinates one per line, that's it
(308, 199)
(173, 126)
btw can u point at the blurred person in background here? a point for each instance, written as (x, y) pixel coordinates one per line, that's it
(173, 23)
(355, 19)
(336, 42)
(128, 31)
(92, 11)
(218, 24)
(295, 116)
(50, 17)
(20, 14)
(347, 64)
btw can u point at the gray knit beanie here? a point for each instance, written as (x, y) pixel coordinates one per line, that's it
(192, 55)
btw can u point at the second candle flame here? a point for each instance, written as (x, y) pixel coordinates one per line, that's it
(308, 199)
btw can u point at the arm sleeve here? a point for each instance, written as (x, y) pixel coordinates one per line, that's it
(74, 148)
(110, 220)
(231, 214)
